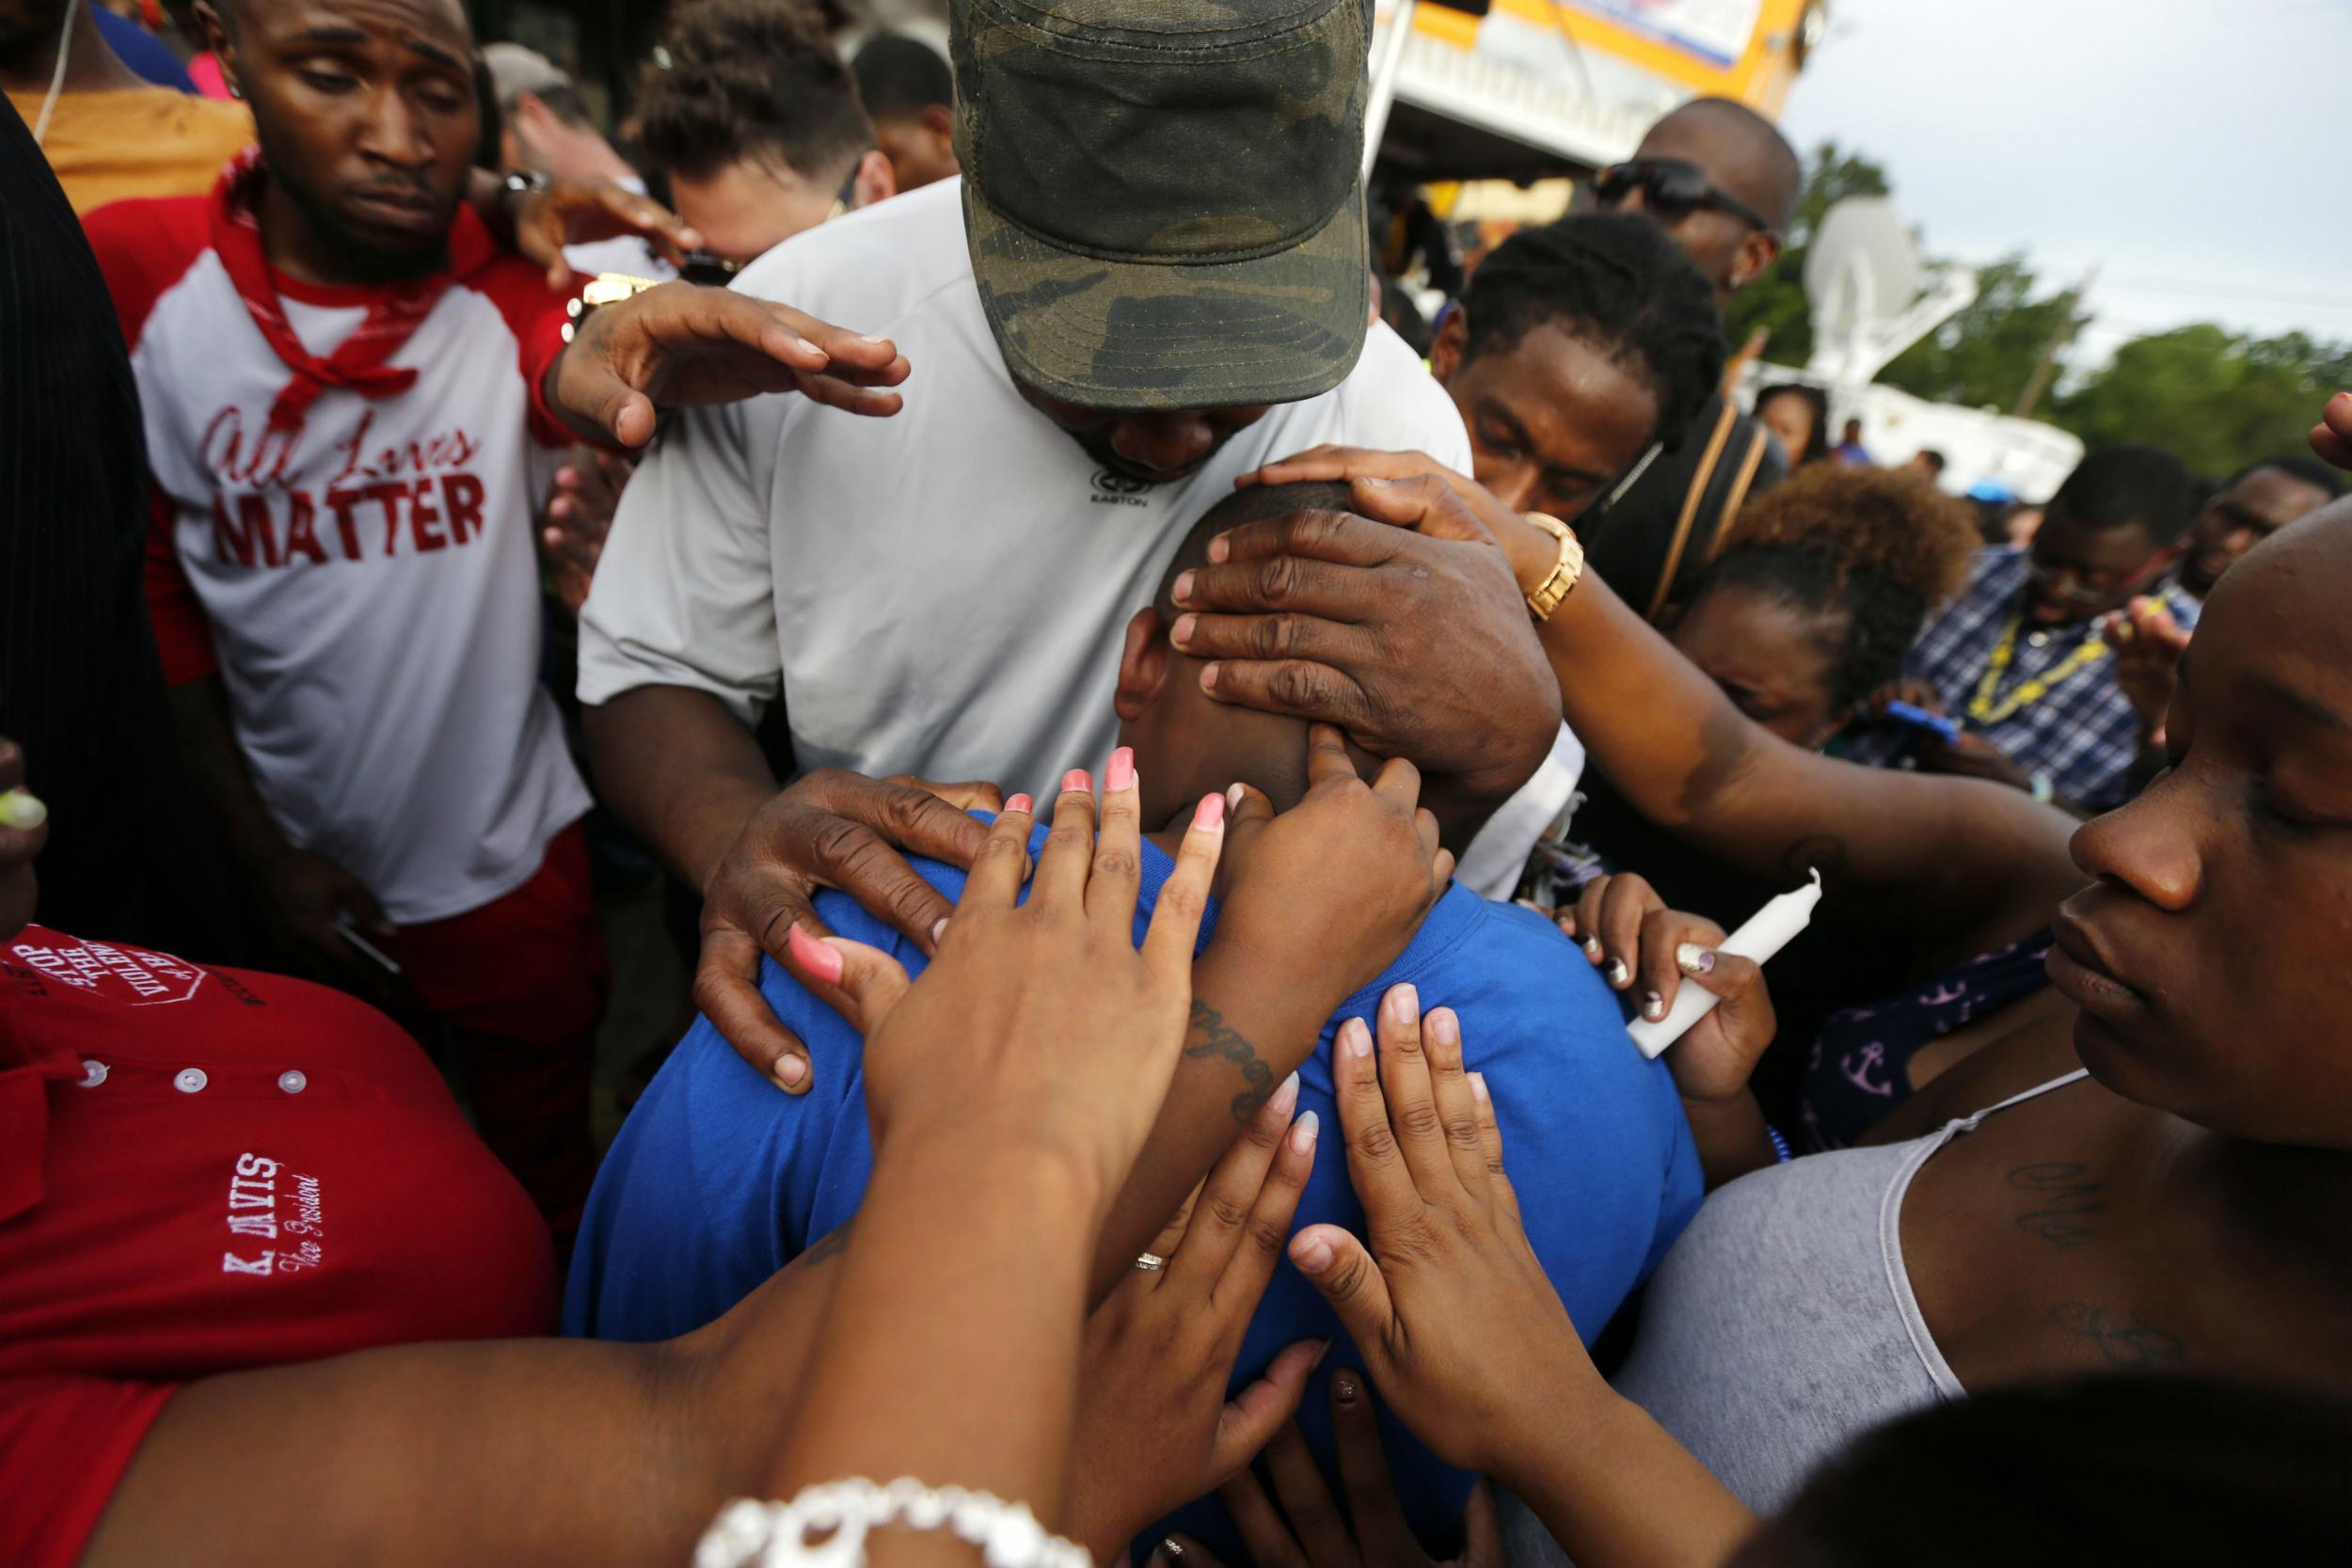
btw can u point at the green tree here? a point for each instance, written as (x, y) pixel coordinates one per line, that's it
(1984, 355)
(2214, 400)
(1775, 301)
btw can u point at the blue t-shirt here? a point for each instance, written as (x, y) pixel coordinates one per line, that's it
(718, 1179)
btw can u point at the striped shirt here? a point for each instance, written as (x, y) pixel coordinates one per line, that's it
(2081, 732)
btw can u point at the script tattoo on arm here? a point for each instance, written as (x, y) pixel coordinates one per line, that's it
(2064, 1199)
(2125, 1339)
(1212, 1037)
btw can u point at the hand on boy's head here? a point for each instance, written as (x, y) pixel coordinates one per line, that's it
(1417, 646)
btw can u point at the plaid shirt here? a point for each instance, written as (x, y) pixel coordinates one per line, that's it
(2082, 732)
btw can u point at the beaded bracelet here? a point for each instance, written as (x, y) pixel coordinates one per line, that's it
(1781, 1152)
(776, 1535)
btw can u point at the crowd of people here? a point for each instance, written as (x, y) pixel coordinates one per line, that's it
(1171, 801)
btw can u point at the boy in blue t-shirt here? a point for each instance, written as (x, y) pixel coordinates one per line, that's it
(718, 1180)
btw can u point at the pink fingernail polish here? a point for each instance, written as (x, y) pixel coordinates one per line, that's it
(1019, 802)
(821, 960)
(1211, 813)
(1120, 774)
(1078, 782)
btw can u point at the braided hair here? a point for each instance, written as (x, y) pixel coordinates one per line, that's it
(1869, 551)
(1616, 281)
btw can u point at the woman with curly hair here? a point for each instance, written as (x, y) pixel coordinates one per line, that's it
(1822, 585)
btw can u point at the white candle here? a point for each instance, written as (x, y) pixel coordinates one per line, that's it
(1767, 931)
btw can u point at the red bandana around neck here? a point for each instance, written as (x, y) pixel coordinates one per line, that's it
(359, 362)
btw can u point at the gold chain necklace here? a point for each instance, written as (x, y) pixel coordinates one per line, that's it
(1981, 707)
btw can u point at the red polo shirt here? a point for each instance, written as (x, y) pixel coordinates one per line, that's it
(207, 1170)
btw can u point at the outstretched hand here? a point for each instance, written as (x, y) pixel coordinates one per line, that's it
(1039, 1024)
(581, 212)
(1303, 1526)
(682, 345)
(1459, 1327)
(2332, 437)
(1154, 1428)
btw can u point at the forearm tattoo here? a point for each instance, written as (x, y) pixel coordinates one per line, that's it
(2125, 1339)
(2064, 1201)
(1212, 1037)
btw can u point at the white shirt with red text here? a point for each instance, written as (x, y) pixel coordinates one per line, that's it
(368, 586)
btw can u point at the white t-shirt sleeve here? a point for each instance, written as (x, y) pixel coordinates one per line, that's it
(1397, 406)
(684, 592)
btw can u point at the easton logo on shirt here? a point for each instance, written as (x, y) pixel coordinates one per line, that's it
(407, 499)
(1113, 489)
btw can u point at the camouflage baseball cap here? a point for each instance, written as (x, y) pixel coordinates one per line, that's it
(1162, 197)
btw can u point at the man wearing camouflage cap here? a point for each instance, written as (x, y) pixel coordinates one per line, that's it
(1150, 279)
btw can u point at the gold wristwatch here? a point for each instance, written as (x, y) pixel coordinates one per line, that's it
(1565, 571)
(606, 288)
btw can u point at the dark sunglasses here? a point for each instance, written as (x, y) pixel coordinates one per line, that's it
(1670, 186)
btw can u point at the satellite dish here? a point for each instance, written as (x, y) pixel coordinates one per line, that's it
(1861, 268)
(1863, 280)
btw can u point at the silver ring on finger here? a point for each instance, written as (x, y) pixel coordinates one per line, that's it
(1150, 1262)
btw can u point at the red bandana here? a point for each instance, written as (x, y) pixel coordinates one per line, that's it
(359, 362)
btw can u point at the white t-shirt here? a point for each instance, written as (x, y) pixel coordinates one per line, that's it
(368, 592)
(943, 592)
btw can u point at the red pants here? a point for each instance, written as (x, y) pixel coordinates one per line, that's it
(519, 985)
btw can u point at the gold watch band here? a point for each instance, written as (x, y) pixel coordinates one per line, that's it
(1565, 571)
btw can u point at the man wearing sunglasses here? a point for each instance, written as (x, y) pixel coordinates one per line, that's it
(1722, 184)
(2023, 658)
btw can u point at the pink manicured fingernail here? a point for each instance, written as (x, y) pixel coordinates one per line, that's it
(1354, 1038)
(1305, 1130)
(1181, 633)
(790, 1070)
(1211, 813)
(1078, 782)
(1182, 590)
(1120, 774)
(819, 959)
(1019, 802)
(1478, 1088)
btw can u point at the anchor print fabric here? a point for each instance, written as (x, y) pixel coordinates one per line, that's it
(1860, 1066)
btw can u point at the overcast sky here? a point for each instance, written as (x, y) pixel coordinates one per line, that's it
(2194, 149)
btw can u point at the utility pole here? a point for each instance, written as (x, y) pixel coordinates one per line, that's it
(2060, 335)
